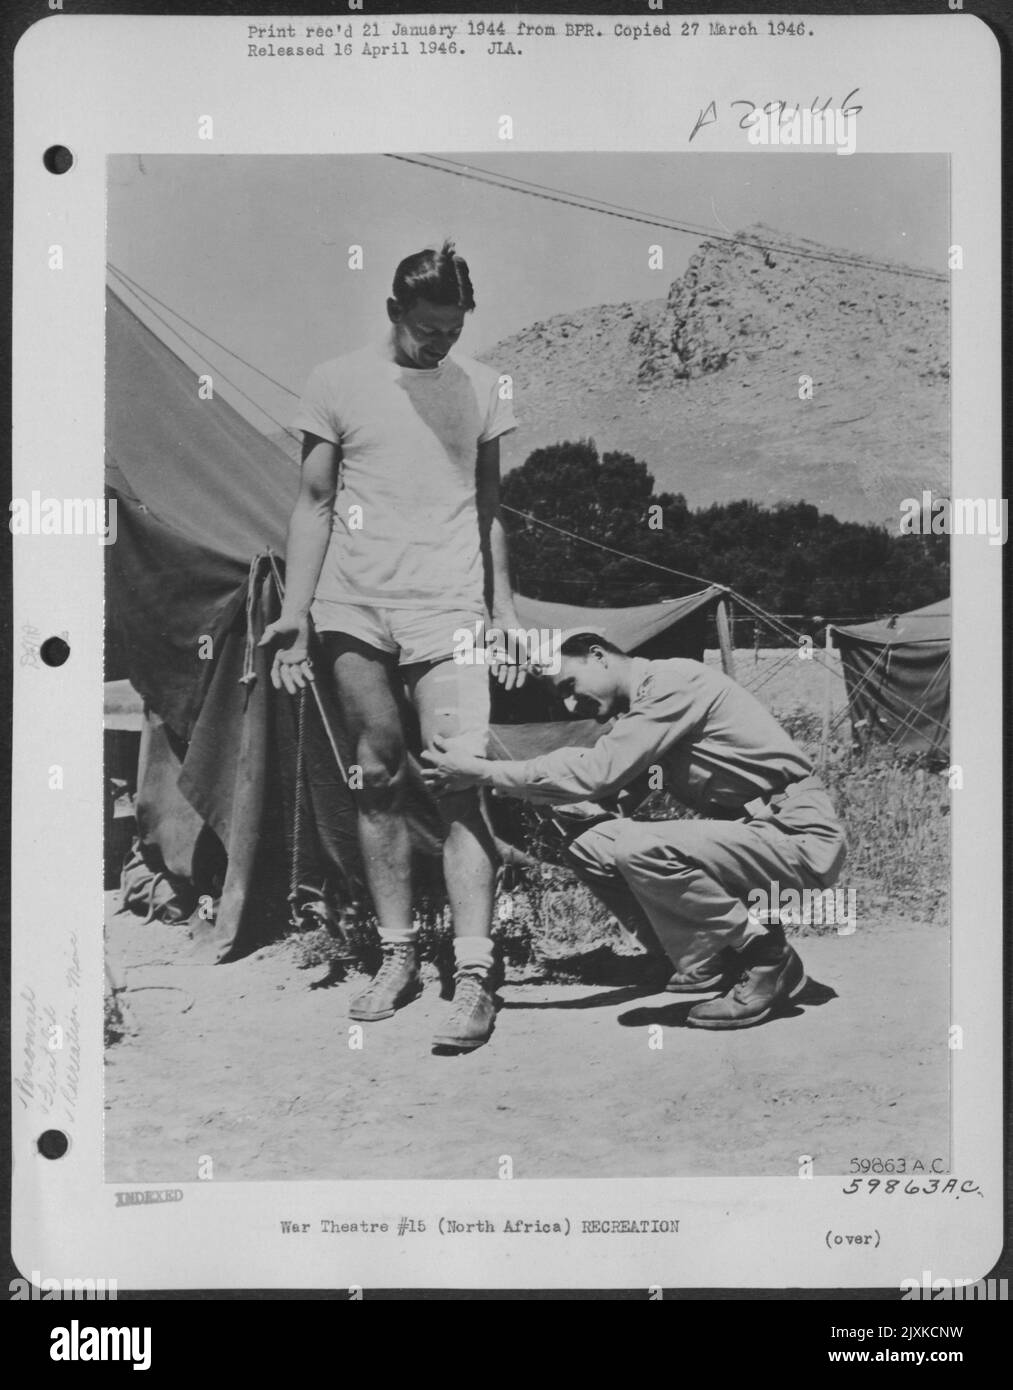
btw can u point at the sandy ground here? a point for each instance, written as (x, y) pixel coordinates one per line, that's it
(250, 1063)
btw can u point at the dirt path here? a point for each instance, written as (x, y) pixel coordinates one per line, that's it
(250, 1064)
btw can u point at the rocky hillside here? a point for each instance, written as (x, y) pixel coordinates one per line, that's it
(703, 384)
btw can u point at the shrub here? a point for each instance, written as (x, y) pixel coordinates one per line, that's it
(896, 811)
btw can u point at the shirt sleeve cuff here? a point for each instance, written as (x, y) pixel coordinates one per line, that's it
(320, 428)
(506, 775)
(496, 432)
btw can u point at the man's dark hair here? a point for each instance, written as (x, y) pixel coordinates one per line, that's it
(440, 276)
(580, 645)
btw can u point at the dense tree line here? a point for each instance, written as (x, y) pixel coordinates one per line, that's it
(789, 558)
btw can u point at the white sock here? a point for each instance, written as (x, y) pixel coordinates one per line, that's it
(396, 936)
(473, 951)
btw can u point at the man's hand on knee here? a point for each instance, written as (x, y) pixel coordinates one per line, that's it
(451, 769)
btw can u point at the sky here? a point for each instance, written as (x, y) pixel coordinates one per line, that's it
(254, 249)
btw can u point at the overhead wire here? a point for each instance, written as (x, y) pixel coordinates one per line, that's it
(509, 184)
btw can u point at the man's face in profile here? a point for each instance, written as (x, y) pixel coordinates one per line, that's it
(588, 686)
(425, 333)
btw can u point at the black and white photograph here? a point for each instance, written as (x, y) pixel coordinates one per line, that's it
(514, 656)
(507, 610)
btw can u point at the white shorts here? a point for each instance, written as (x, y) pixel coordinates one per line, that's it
(414, 634)
(424, 635)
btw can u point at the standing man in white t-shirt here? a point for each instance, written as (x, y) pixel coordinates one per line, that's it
(395, 544)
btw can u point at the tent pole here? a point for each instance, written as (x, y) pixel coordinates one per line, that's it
(725, 636)
(827, 694)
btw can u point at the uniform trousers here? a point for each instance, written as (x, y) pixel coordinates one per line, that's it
(689, 881)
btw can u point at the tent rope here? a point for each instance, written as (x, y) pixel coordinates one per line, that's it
(884, 654)
(249, 671)
(599, 545)
(915, 711)
(758, 613)
(856, 690)
(140, 290)
(782, 629)
(294, 884)
(907, 721)
(216, 371)
(328, 730)
(335, 925)
(768, 675)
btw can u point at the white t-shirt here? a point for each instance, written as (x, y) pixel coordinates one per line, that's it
(405, 526)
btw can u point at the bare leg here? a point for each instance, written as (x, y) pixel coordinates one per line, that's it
(442, 694)
(365, 678)
(469, 864)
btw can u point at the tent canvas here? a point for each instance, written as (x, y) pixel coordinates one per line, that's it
(203, 501)
(897, 674)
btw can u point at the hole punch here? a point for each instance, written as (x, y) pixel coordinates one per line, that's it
(52, 1143)
(54, 651)
(58, 159)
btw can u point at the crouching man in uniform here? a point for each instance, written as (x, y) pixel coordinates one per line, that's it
(765, 818)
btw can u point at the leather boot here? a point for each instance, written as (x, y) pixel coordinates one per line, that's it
(771, 975)
(472, 1012)
(703, 976)
(395, 984)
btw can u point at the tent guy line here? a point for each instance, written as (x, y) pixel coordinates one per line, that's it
(600, 545)
(907, 715)
(140, 289)
(216, 371)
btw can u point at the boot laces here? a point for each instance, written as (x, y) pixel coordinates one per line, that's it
(468, 991)
(394, 956)
(738, 989)
(743, 980)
